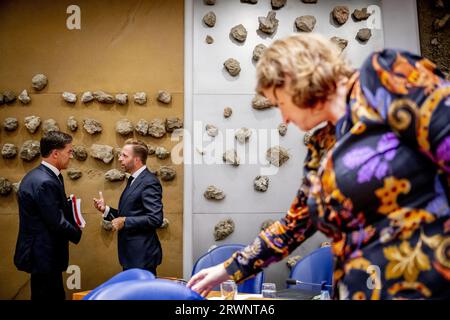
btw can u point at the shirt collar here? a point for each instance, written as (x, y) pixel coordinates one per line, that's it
(138, 172)
(51, 167)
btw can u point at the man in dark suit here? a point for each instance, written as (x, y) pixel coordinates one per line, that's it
(46, 221)
(139, 213)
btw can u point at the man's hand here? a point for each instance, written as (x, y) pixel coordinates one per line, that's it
(118, 223)
(99, 204)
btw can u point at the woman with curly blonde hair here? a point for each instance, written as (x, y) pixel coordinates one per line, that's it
(377, 174)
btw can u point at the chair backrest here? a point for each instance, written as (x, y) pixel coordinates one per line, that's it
(131, 274)
(316, 267)
(220, 254)
(157, 289)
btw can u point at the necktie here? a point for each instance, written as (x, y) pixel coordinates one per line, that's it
(130, 179)
(61, 179)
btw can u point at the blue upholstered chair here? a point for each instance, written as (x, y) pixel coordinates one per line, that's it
(220, 254)
(131, 274)
(145, 289)
(316, 268)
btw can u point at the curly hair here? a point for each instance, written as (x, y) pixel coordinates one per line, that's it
(312, 63)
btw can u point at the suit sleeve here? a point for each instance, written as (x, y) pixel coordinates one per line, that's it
(52, 212)
(112, 214)
(152, 207)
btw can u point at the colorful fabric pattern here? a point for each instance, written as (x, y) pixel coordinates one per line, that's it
(391, 233)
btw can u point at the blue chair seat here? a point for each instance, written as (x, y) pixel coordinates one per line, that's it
(219, 255)
(156, 289)
(316, 267)
(131, 274)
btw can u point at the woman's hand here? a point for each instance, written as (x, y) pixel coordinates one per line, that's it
(203, 281)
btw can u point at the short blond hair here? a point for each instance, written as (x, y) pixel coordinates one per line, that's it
(140, 149)
(313, 63)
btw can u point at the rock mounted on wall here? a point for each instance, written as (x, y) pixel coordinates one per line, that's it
(231, 157)
(209, 19)
(212, 130)
(32, 123)
(164, 97)
(209, 39)
(250, 1)
(364, 34)
(72, 124)
(39, 81)
(49, 125)
(87, 97)
(5, 186)
(268, 24)
(261, 183)
(92, 126)
(107, 225)
(10, 124)
(227, 112)
(80, 152)
(340, 42)
(277, 156)
(162, 153)
(260, 102)
(277, 4)
(258, 51)
(103, 97)
(9, 151)
(167, 173)
(214, 193)
(292, 261)
(209, 2)
(239, 33)
(124, 127)
(9, 96)
(173, 123)
(242, 135)
(305, 23)
(24, 97)
(266, 223)
(16, 186)
(439, 24)
(114, 175)
(151, 149)
(340, 14)
(140, 98)
(165, 224)
(282, 129)
(360, 15)
(121, 98)
(142, 127)
(30, 150)
(156, 128)
(74, 173)
(69, 97)
(223, 229)
(309, 1)
(102, 152)
(232, 66)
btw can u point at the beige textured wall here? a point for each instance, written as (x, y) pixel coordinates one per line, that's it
(123, 46)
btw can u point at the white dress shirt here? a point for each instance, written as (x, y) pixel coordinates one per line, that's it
(134, 175)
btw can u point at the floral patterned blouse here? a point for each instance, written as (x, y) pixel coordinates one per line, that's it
(378, 185)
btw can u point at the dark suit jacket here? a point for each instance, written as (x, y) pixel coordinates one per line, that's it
(46, 224)
(141, 204)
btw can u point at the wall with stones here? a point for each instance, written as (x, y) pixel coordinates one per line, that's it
(123, 46)
(214, 88)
